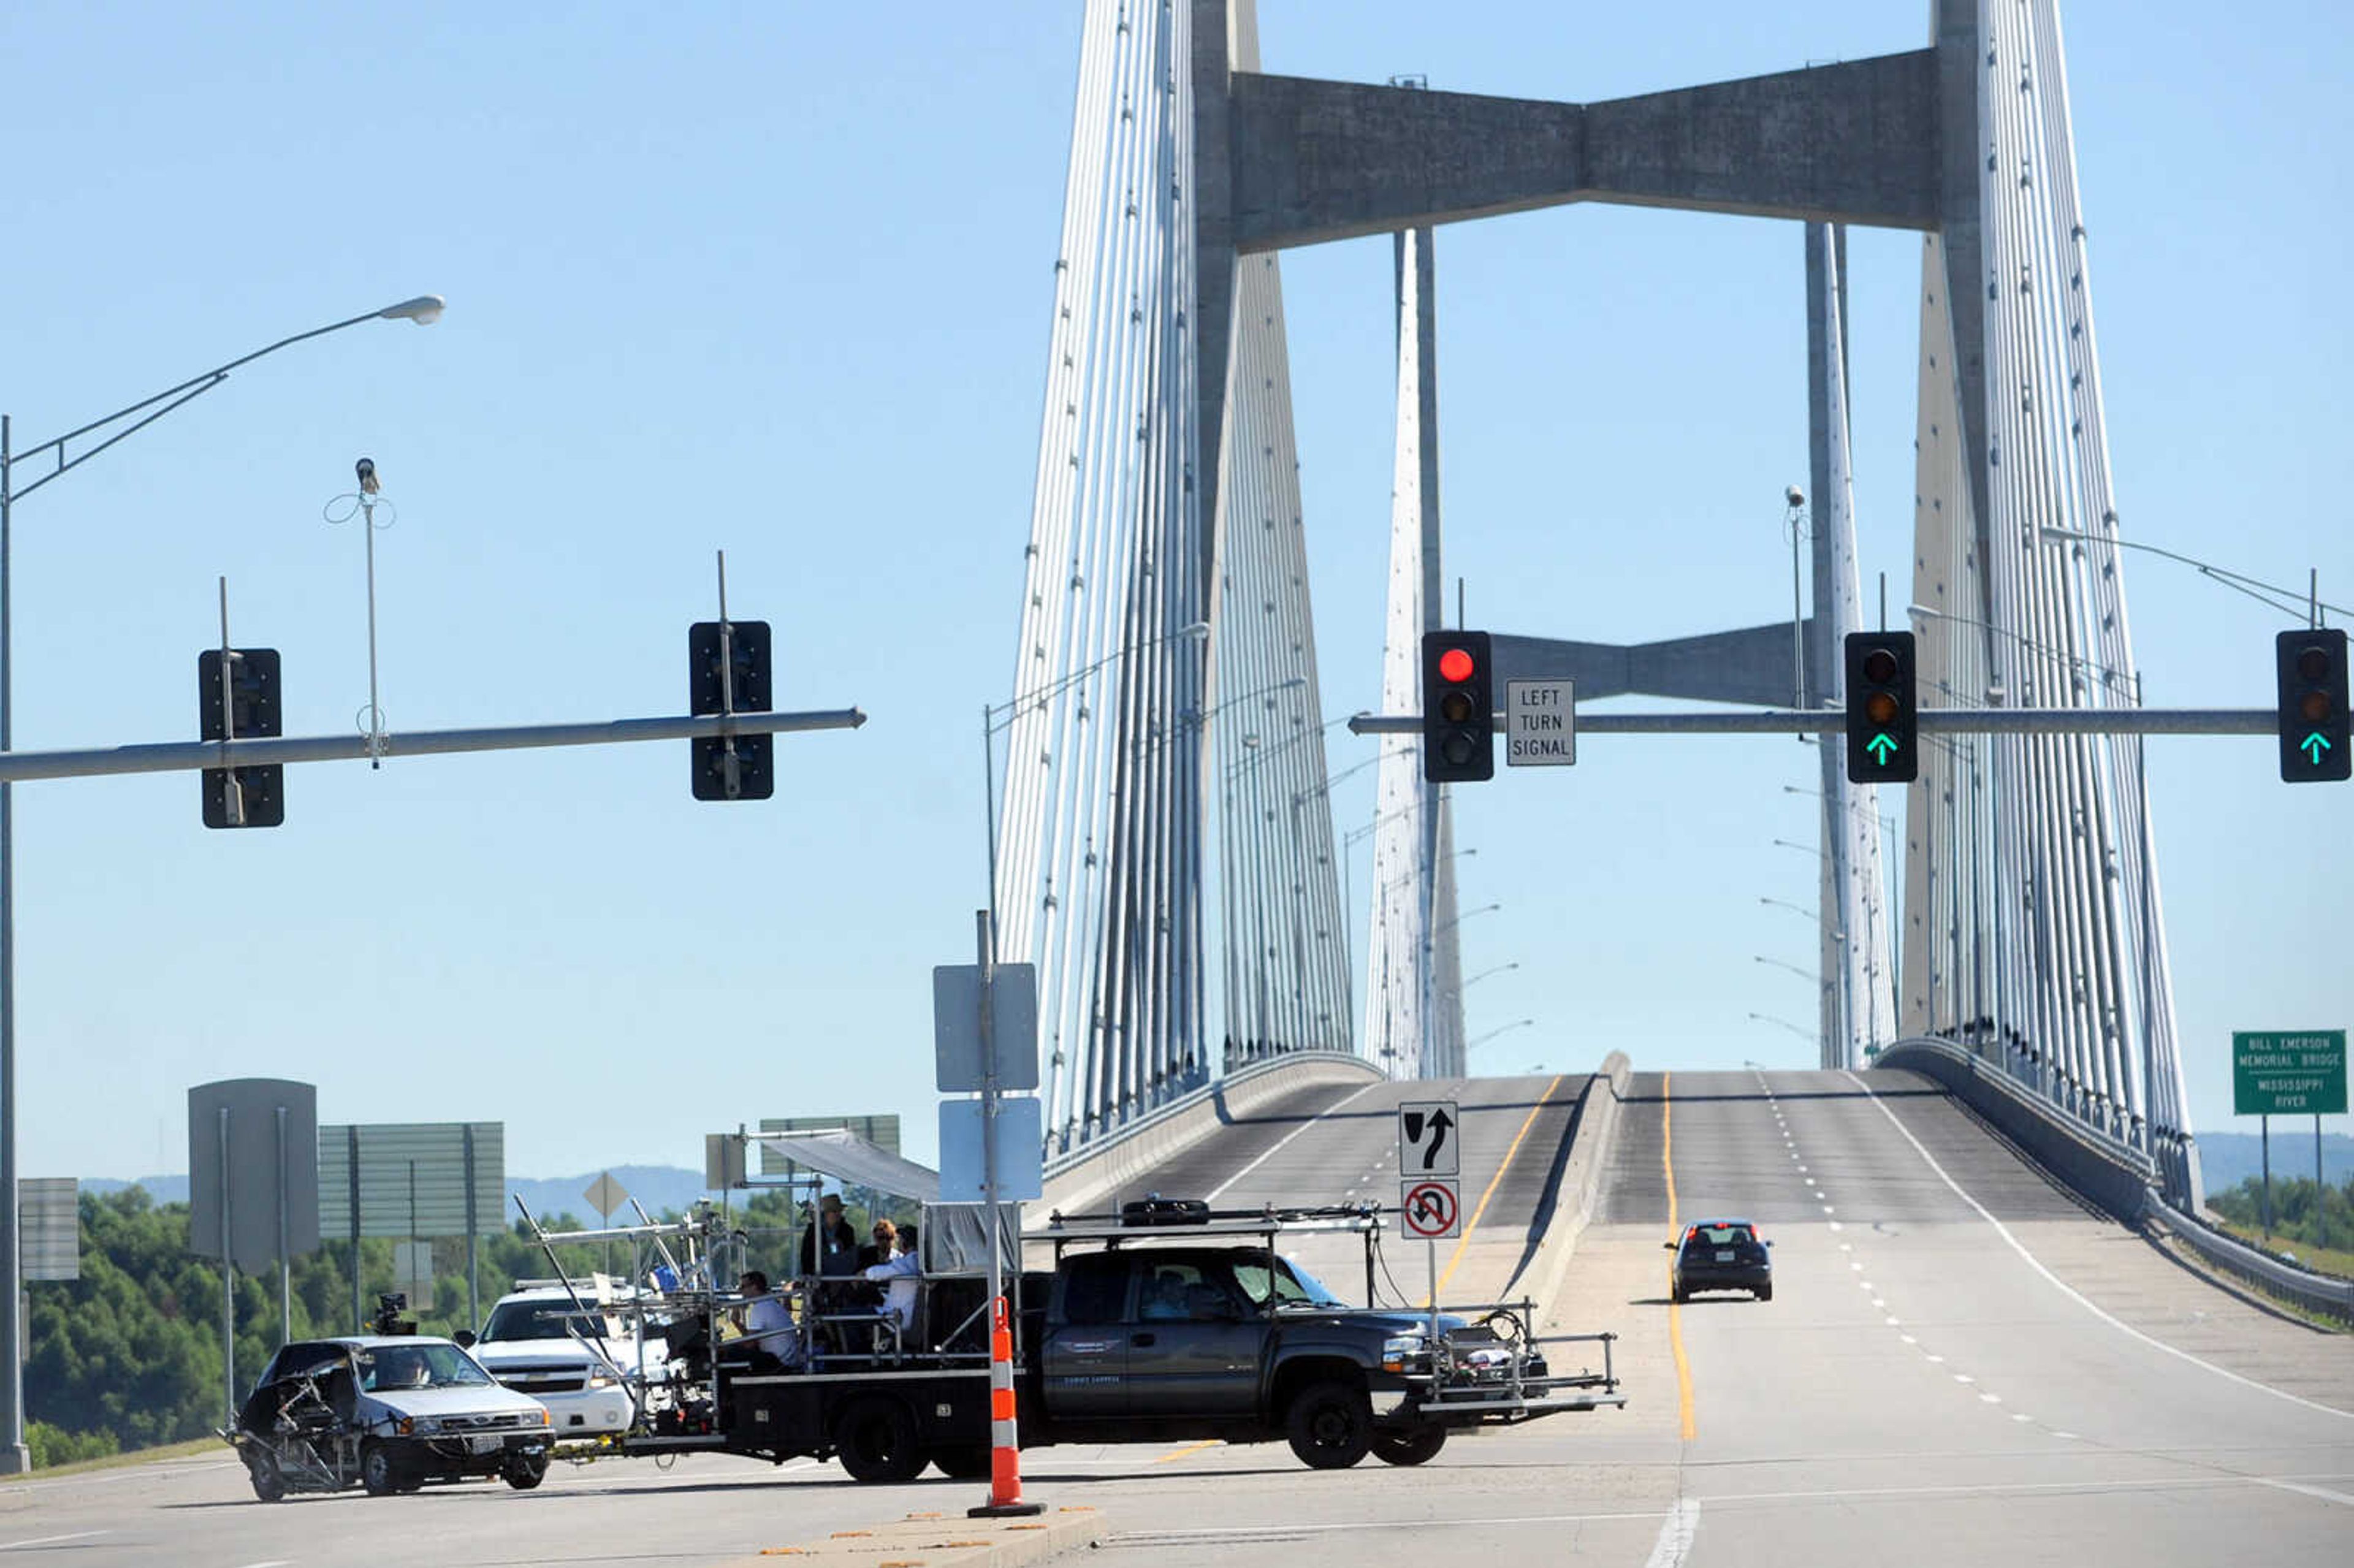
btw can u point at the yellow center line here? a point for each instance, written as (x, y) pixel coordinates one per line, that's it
(1675, 1313)
(1464, 1240)
(1188, 1449)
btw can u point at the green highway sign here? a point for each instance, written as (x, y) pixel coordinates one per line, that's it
(2289, 1072)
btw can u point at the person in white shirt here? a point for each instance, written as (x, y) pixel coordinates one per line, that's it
(767, 1322)
(898, 1274)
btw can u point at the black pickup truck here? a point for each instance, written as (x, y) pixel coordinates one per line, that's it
(1171, 1323)
(1165, 1323)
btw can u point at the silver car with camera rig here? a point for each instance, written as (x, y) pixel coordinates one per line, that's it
(390, 1410)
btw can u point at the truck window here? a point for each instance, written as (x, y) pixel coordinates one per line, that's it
(1095, 1287)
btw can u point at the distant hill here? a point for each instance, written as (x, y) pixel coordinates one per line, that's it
(2229, 1159)
(657, 1187)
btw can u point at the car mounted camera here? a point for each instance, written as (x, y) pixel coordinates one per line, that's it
(388, 1321)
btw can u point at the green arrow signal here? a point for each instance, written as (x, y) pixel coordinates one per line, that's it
(1882, 748)
(2313, 746)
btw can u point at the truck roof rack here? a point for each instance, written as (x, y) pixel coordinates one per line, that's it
(1351, 1219)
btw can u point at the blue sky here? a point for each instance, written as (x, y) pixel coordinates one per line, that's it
(775, 278)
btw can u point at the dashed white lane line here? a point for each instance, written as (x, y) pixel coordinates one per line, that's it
(51, 1540)
(1964, 1377)
(1280, 1143)
(2071, 1292)
(1991, 1398)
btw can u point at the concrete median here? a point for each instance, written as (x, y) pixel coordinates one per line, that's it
(1595, 1129)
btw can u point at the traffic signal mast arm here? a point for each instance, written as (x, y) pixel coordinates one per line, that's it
(191, 754)
(1932, 721)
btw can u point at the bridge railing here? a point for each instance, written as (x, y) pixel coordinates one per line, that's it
(2322, 1294)
(2103, 1171)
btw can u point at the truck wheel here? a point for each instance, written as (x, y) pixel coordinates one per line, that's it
(269, 1481)
(380, 1472)
(970, 1463)
(525, 1471)
(1411, 1445)
(875, 1440)
(1330, 1425)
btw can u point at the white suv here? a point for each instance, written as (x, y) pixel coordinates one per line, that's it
(538, 1341)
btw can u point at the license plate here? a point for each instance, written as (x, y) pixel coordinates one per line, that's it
(485, 1445)
(1724, 1256)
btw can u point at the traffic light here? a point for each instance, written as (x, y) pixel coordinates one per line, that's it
(754, 776)
(1883, 722)
(2314, 740)
(1459, 708)
(258, 798)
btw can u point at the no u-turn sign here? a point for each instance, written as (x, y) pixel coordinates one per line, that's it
(1432, 1208)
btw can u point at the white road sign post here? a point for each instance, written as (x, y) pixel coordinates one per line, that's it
(1429, 1143)
(1540, 724)
(1431, 1208)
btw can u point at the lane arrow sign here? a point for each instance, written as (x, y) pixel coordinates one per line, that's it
(2313, 746)
(1875, 745)
(1439, 1122)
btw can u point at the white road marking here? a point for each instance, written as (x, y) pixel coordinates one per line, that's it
(1964, 1377)
(1997, 1489)
(1220, 1191)
(1991, 1398)
(1675, 1540)
(2065, 1289)
(1893, 1321)
(1837, 1226)
(271, 1562)
(1936, 1360)
(1232, 1532)
(2018, 1416)
(2322, 1492)
(51, 1540)
(1908, 1338)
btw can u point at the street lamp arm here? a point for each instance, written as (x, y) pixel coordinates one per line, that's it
(423, 310)
(2223, 575)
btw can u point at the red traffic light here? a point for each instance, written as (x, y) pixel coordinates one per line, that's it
(1880, 667)
(1456, 664)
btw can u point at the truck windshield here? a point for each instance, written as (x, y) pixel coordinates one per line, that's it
(1293, 1285)
(541, 1320)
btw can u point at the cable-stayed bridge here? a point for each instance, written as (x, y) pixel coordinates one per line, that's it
(1168, 855)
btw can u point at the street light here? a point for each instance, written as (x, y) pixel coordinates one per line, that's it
(424, 310)
(1505, 1029)
(1483, 974)
(1782, 1023)
(2238, 582)
(1794, 968)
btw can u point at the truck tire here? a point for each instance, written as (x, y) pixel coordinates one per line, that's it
(875, 1441)
(1763, 1292)
(966, 1463)
(381, 1472)
(524, 1472)
(1409, 1444)
(1330, 1425)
